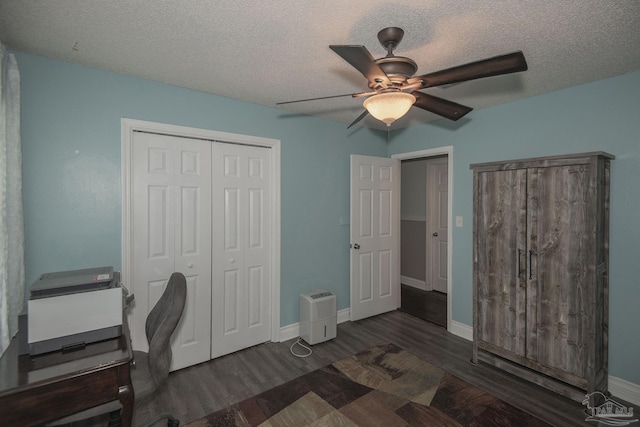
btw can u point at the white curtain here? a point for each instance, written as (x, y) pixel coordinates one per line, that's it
(11, 219)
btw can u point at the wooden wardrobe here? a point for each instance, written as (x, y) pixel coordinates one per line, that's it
(540, 269)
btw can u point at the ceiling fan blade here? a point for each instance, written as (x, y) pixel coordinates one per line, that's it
(439, 106)
(360, 117)
(360, 58)
(504, 64)
(353, 95)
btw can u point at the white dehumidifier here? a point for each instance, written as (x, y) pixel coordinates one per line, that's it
(318, 316)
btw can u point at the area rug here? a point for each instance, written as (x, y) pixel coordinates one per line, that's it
(383, 386)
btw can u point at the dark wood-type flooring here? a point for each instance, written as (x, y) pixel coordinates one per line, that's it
(427, 305)
(202, 389)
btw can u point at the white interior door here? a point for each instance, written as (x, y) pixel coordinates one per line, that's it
(241, 310)
(437, 224)
(171, 232)
(375, 236)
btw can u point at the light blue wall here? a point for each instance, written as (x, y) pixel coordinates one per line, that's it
(71, 144)
(72, 190)
(601, 116)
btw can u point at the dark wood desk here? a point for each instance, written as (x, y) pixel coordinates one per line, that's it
(39, 389)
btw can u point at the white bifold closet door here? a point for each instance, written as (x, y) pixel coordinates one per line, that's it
(201, 208)
(241, 304)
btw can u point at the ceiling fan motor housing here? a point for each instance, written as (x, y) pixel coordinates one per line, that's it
(397, 68)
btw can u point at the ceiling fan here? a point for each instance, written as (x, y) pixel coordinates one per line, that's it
(394, 89)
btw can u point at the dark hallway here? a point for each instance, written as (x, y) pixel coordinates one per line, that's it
(427, 305)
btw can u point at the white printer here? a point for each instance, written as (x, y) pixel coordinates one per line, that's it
(73, 308)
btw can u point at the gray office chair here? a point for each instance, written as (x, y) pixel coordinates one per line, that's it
(151, 369)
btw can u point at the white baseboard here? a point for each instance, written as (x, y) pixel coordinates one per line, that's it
(293, 331)
(624, 390)
(461, 330)
(618, 387)
(415, 283)
(289, 332)
(344, 315)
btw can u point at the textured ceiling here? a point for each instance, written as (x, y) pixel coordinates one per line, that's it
(269, 51)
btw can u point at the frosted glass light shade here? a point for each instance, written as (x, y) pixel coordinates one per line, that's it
(390, 106)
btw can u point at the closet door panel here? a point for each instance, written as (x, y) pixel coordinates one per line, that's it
(152, 227)
(190, 342)
(241, 289)
(171, 226)
(500, 246)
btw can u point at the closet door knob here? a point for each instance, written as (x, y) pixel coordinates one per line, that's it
(435, 234)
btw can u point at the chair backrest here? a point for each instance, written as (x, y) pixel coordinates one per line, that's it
(160, 324)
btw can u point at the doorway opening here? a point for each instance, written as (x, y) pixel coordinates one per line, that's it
(426, 235)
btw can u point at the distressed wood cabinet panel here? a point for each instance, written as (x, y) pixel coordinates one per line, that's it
(541, 230)
(500, 292)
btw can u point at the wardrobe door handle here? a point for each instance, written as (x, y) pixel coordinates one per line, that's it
(519, 270)
(530, 266)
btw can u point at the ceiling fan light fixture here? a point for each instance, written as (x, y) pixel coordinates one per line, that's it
(389, 106)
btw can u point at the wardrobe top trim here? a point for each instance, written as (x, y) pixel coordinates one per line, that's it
(543, 161)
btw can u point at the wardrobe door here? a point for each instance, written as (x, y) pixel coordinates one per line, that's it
(500, 234)
(561, 240)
